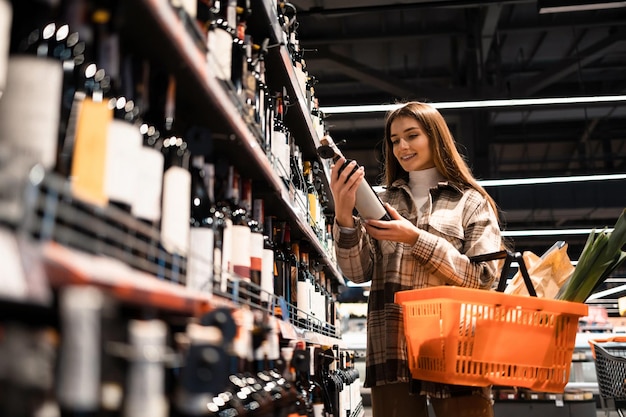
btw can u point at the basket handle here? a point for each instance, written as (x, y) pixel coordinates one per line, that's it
(508, 257)
(616, 339)
(594, 343)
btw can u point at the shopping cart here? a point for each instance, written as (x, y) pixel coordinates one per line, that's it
(610, 363)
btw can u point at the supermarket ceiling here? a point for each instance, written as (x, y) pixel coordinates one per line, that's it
(384, 51)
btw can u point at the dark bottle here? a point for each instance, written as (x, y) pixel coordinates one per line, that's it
(281, 276)
(303, 286)
(368, 204)
(293, 262)
(316, 392)
(176, 194)
(256, 241)
(241, 235)
(203, 380)
(124, 137)
(202, 234)
(241, 44)
(224, 237)
(149, 161)
(268, 261)
(222, 38)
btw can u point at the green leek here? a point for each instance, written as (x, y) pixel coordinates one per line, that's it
(601, 255)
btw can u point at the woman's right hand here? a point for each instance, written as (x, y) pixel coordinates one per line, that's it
(343, 187)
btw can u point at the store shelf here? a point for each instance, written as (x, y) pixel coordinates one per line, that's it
(242, 136)
(283, 73)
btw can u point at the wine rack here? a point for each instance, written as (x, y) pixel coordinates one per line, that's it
(74, 243)
(214, 96)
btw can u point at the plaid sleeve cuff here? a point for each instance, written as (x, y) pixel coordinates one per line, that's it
(346, 237)
(424, 248)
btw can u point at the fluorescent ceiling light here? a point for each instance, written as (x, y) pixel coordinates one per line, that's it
(377, 108)
(552, 232)
(560, 6)
(533, 181)
(550, 180)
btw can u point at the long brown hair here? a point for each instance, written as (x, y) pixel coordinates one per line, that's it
(449, 162)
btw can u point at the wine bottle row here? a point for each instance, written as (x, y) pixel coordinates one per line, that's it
(108, 121)
(100, 358)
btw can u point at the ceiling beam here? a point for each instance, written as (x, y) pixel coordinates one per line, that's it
(368, 75)
(488, 31)
(569, 65)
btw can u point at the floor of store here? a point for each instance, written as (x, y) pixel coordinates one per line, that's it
(368, 413)
(599, 413)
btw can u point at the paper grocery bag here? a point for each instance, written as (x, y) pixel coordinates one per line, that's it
(547, 274)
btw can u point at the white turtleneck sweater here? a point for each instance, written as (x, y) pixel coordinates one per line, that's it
(421, 182)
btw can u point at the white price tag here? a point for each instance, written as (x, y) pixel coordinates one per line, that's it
(558, 401)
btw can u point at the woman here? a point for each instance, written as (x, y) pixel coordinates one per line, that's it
(440, 218)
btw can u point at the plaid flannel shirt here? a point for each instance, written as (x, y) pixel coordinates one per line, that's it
(455, 224)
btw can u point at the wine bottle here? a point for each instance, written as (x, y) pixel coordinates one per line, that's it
(224, 239)
(78, 385)
(146, 376)
(176, 198)
(124, 137)
(204, 375)
(268, 262)
(303, 286)
(280, 141)
(255, 222)
(281, 277)
(293, 262)
(202, 234)
(29, 120)
(240, 48)
(221, 38)
(368, 204)
(316, 392)
(149, 164)
(240, 248)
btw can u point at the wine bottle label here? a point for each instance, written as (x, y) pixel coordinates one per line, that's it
(368, 204)
(124, 142)
(256, 254)
(267, 276)
(240, 251)
(147, 193)
(6, 14)
(303, 289)
(200, 259)
(29, 122)
(190, 6)
(78, 386)
(176, 207)
(280, 150)
(90, 150)
(313, 208)
(220, 46)
(146, 377)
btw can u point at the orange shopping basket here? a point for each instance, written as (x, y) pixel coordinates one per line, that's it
(474, 337)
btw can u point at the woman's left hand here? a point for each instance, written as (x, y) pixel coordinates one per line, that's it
(398, 229)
